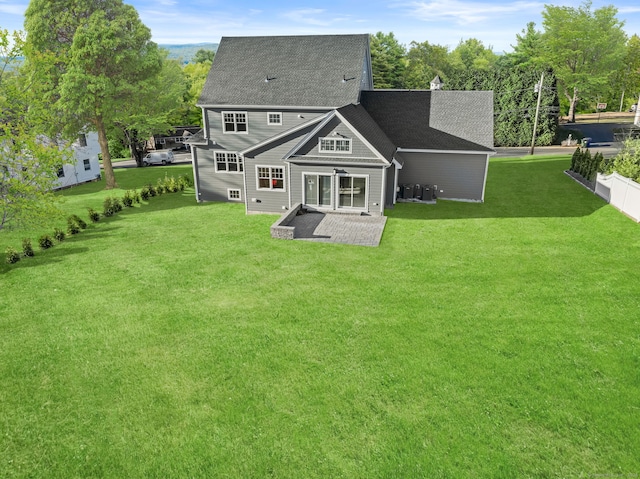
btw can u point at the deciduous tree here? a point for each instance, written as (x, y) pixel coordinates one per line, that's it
(584, 47)
(97, 56)
(424, 62)
(28, 163)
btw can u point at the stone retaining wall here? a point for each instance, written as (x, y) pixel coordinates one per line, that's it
(281, 229)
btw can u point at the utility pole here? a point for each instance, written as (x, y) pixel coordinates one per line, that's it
(535, 123)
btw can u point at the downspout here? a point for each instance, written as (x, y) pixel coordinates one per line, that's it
(486, 172)
(384, 188)
(395, 180)
(196, 176)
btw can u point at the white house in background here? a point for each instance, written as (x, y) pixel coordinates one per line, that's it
(86, 163)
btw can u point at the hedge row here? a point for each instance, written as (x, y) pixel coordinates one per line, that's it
(111, 205)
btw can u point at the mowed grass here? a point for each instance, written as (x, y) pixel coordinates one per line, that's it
(479, 340)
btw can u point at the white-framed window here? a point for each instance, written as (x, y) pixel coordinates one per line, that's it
(274, 118)
(234, 122)
(334, 145)
(352, 191)
(234, 195)
(87, 165)
(61, 172)
(162, 141)
(270, 177)
(228, 162)
(82, 139)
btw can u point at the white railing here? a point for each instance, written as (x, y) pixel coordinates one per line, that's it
(621, 192)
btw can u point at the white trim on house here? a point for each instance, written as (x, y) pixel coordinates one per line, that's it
(228, 154)
(280, 135)
(324, 120)
(231, 192)
(332, 199)
(395, 179)
(271, 178)
(236, 116)
(360, 137)
(486, 171)
(367, 187)
(322, 140)
(277, 116)
(466, 152)
(269, 107)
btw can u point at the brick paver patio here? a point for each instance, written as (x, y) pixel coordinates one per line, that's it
(339, 228)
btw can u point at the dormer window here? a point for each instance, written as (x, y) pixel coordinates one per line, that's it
(334, 145)
(234, 122)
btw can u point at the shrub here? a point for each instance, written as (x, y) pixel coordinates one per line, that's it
(183, 182)
(575, 160)
(11, 255)
(136, 196)
(171, 184)
(59, 235)
(161, 187)
(107, 207)
(94, 216)
(79, 221)
(45, 242)
(627, 161)
(145, 193)
(127, 199)
(27, 249)
(152, 190)
(117, 204)
(72, 226)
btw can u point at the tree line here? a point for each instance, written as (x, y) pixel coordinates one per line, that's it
(585, 53)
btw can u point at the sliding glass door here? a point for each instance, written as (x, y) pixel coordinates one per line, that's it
(317, 190)
(352, 192)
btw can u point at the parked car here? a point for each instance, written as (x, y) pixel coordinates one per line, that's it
(161, 157)
(633, 107)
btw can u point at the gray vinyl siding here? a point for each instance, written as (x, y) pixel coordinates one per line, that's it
(375, 185)
(213, 186)
(458, 175)
(358, 148)
(258, 129)
(270, 201)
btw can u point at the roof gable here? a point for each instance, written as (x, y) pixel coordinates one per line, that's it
(308, 71)
(366, 132)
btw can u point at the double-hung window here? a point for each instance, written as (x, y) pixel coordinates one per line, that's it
(270, 178)
(228, 162)
(334, 145)
(87, 165)
(234, 122)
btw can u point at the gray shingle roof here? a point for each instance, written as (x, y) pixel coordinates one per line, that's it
(409, 119)
(358, 117)
(318, 70)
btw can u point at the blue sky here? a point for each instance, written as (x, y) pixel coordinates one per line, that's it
(443, 22)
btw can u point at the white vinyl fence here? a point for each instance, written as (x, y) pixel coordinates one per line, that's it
(621, 192)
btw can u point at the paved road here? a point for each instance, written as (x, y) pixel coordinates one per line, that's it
(180, 159)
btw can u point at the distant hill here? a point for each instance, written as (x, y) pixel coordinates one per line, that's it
(186, 52)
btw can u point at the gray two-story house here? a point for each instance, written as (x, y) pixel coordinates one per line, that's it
(295, 119)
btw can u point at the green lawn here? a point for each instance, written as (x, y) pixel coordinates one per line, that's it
(179, 340)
